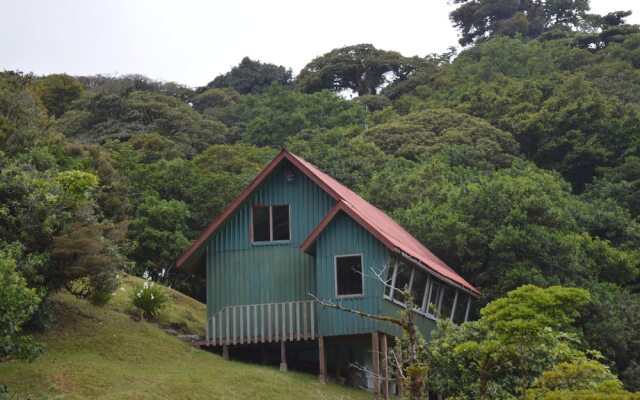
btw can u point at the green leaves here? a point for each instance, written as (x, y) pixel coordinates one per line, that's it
(517, 338)
(79, 185)
(17, 303)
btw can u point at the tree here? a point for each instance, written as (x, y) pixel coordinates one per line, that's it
(85, 259)
(517, 338)
(430, 132)
(578, 378)
(343, 153)
(211, 100)
(17, 303)
(57, 92)
(507, 227)
(361, 68)
(22, 119)
(479, 19)
(270, 118)
(251, 77)
(157, 234)
(121, 116)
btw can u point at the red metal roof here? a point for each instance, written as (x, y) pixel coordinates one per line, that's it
(376, 222)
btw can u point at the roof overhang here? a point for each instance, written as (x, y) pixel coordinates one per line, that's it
(396, 240)
(345, 207)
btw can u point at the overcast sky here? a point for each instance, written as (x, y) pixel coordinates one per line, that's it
(191, 42)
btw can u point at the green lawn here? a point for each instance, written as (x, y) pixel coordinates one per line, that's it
(101, 353)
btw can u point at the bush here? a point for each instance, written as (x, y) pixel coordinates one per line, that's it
(17, 304)
(150, 299)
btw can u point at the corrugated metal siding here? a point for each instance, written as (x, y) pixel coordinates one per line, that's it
(241, 273)
(424, 324)
(344, 236)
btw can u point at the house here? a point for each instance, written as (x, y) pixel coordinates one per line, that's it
(295, 232)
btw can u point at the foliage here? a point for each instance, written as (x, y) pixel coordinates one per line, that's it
(506, 227)
(88, 251)
(477, 19)
(149, 298)
(157, 233)
(17, 303)
(437, 130)
(361, 68)
(515, 161)
(341, 152)
(57, 92)
(114, 84)
(252, 77)
(120, 116)
(574, 378)
(269, 119)
(22, 120)
(211, 100)
(517, 338)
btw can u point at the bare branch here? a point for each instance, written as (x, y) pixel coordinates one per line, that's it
(330, 304)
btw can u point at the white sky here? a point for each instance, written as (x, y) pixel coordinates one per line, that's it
(191, 41)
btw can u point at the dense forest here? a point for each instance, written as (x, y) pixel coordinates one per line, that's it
(516, 159)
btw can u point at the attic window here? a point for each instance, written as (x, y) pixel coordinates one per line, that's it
(270, 223)
(349, 278)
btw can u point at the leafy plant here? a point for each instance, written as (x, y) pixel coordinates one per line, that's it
(17, 303)
(150, 299)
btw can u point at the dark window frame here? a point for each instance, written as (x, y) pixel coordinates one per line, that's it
(271, 226)
(335, 271)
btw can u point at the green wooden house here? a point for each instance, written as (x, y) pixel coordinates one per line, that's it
(295, 233)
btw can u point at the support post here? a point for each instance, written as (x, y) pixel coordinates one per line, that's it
(323, 361)
(225, 351)
(385, 366)
(375, 355)
(283, 356)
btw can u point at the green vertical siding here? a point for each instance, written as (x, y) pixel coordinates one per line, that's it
(239, 272)
(344, 236)
(425, 324)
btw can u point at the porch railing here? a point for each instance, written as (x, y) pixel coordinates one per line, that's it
(262, 323)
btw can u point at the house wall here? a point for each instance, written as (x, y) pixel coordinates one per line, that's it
(343, 236)
(239, 272)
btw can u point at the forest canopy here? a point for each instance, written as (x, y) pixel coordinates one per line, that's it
(516, 160)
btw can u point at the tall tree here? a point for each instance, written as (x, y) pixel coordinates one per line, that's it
(251, 77)
(57, 92)
(479, 19)
(361, 68)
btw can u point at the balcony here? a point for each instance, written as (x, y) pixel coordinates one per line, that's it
(262, 323)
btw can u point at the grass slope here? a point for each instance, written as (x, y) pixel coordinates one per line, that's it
(101, 353)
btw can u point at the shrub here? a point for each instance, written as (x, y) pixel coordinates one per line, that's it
(17, 304)
(150, 299)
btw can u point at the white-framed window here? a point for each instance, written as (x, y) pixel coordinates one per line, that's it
(349, 276)
(270, 223)
(432, 297)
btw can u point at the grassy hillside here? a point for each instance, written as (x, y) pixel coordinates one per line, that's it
(102, 353)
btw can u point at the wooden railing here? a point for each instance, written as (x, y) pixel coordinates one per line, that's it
(262, 323)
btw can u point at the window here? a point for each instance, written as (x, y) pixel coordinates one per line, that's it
(349, 278)
(433, 298)
(418, 285)
(448, 298)
(270, 223)
(402, 281)
(460, 313)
